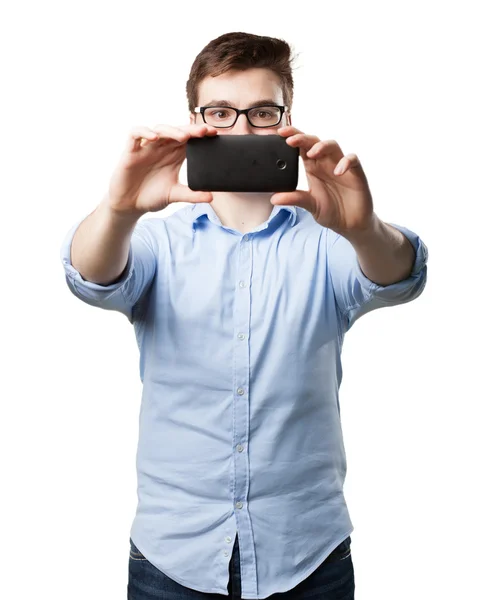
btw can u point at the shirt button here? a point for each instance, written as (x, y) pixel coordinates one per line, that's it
(226, 553)
(240, 391)
(241, 336)
(240, 448)
(239, 505)
(242, 284)
(246, 238)
(228, 539)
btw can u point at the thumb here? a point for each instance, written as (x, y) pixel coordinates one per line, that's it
(182, 193)
(298, 198)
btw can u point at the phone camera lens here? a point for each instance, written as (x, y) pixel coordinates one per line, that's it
(281, 164)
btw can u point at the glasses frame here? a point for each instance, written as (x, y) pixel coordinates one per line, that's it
(242, 111)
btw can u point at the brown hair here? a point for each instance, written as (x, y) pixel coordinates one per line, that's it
(238, 50)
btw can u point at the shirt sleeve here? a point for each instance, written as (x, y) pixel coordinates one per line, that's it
(357, 295)
(124, 294)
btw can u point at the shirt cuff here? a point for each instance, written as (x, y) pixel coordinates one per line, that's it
(418, 266)
(75, 277)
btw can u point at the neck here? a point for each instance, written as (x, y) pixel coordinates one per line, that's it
(242, 211)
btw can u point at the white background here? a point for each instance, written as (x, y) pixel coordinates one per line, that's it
(392, 82)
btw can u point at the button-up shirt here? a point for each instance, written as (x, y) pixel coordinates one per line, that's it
(240, 339)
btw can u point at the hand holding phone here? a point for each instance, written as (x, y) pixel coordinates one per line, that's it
(146, 177)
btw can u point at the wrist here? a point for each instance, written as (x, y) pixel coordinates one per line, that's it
(126, 216)
(118, 219)
(364, 235)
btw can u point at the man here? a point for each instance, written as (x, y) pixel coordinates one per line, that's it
(240, 304)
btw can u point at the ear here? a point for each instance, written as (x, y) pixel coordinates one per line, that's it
(192, 118)
(288, 119)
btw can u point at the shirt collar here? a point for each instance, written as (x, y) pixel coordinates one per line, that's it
(203, 208)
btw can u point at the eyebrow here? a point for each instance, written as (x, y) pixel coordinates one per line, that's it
(263, 102)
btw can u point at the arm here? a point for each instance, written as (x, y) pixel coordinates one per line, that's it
(355, 293)
(370, 264)
(100, 246)
(385, 255)
(114, 260)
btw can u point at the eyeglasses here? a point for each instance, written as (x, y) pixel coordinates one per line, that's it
(226, 116)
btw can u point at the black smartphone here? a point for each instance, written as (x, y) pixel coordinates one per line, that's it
(241, 163)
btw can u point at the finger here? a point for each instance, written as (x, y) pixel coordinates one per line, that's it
(302, 140)
(324, 148)
(182, 193)
(288, 130)
(300, 198)
(141, 136)
(138, 134)
(199, 130)
(168, 132)
(348, 162)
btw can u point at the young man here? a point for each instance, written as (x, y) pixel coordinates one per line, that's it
(240, 304)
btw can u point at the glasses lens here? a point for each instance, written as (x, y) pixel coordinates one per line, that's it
(265, 116)
(220, 116)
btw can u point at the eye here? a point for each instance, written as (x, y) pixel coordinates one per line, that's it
(262, 114)
(265, 116)
(219, 113)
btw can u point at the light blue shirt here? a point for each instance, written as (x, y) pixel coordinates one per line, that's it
(240, 339)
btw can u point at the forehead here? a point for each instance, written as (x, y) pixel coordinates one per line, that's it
(241, 87)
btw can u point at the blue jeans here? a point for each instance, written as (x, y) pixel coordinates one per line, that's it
(332, 580)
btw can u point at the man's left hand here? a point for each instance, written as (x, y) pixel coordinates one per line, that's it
(341, 202)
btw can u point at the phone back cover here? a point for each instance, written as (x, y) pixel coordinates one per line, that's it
(242, 163)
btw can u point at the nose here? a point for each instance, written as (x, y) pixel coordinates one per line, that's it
(242, 126)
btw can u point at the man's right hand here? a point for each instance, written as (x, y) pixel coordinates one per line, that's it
(146, 178)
